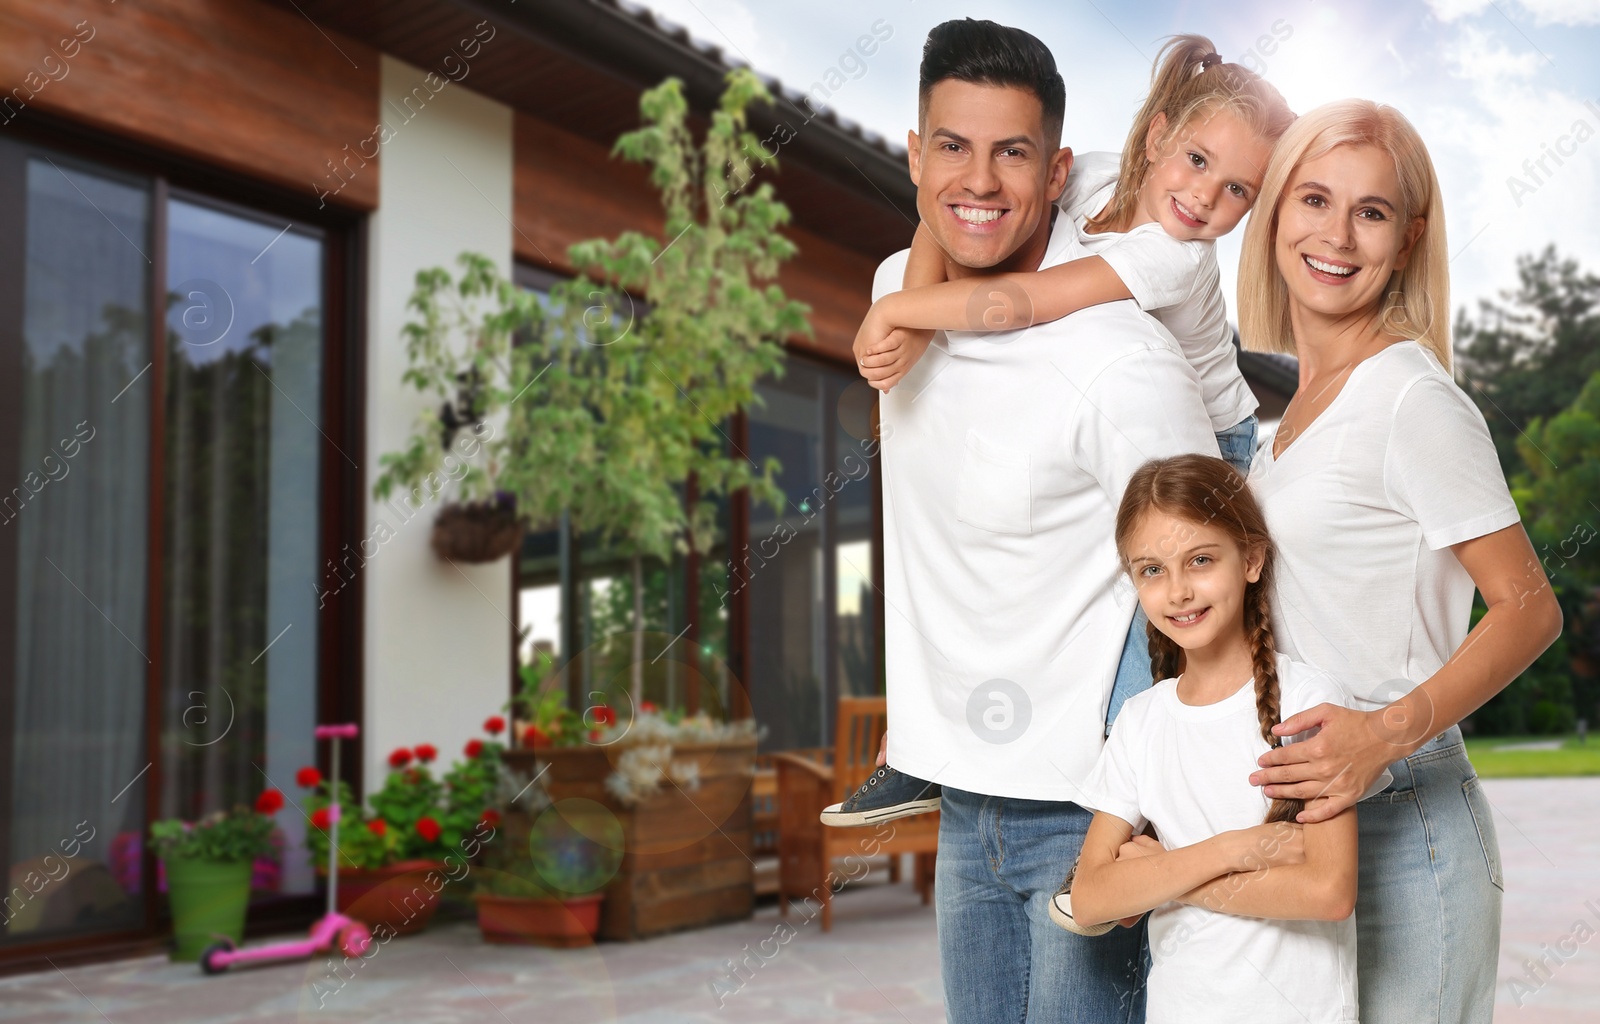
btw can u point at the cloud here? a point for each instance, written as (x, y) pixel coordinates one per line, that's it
(1543, 12)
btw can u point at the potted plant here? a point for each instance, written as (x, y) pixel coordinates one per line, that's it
(465, 381)
(208, 865)
(552, 895)
(385, 854)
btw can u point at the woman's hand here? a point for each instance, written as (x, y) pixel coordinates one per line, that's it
(1331, 770)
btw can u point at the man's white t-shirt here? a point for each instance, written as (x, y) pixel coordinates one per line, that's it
(1005, 456)
(1364, 506)
(1175, 281)
(1186, 768)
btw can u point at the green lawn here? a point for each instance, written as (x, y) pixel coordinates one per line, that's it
(1571, 759)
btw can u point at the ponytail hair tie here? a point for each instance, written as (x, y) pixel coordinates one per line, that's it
(1210, 60)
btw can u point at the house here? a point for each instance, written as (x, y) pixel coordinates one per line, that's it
(211, 215)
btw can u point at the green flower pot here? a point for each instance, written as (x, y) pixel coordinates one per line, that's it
(208, 902)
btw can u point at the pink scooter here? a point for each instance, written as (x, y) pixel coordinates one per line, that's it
(333, 930)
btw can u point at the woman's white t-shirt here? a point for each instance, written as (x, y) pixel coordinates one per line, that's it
(1186, 769)
(1363, 507)
(1176, 282)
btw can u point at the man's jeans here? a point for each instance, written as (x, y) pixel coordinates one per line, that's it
(1003, 960)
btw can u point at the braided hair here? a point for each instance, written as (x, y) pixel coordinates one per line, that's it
(1203, 489)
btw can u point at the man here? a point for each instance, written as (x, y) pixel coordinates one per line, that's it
(1005, 456)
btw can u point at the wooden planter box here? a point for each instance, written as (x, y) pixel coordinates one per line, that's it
(686, 860)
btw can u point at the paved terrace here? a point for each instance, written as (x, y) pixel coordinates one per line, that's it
(880, 962)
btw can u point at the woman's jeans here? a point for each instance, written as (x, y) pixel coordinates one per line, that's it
(1428, 908)
(1003, 960)
(1238, 447)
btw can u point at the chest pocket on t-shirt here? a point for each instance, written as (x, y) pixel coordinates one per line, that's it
(994, 492)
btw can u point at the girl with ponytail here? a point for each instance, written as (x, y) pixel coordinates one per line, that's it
(1252, 913)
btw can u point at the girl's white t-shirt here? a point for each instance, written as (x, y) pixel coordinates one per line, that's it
(1363, 507)
(1186, 769)
(1176, 282)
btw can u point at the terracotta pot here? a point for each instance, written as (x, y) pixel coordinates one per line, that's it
(539, 922)
(477, 532)
(403, 896)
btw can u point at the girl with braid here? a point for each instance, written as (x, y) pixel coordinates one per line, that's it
(1251, 912)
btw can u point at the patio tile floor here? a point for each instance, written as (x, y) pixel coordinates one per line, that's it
(879, 964)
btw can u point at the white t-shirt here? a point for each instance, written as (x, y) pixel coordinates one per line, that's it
(1363, 507)
(1005, 456)
(1186, 769)
(1176, 282)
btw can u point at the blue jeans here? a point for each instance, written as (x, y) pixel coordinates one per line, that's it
(1238, 447)
(1428, 906)
(1003, 960)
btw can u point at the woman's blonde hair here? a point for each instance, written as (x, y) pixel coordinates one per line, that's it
(1189, 80)
(1417, 301)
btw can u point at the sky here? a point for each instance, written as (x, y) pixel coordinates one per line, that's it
(1494, 86)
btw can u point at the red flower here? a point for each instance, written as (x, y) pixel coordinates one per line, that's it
(494, 725)
(321, 819)
(399, 758)
(377, 826)
(594, 735)
(603, 715)
(473, 748)
(491, 817)
(428, 829)
(308, 777)
(647, 707)
(425, 752)
(537, 737)
(269, 802)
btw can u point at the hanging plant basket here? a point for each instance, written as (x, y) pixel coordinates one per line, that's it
(477, 531)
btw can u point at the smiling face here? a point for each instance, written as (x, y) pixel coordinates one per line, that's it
(1341, 232)
(1191, 578)
(1203, 180)
(985, 176)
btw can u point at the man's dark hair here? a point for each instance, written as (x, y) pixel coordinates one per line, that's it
(985, 53)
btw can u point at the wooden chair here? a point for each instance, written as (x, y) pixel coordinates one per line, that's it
(808, 782)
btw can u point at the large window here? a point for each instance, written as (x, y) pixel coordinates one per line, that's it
(162, 468)
(808, 566)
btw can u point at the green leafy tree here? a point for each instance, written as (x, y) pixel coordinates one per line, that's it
(1559, 495)
(1528, 353)
(666, 376)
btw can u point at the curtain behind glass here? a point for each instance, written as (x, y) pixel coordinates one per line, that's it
(78, 519)
(244, 372)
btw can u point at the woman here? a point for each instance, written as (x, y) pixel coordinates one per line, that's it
(1389, 507)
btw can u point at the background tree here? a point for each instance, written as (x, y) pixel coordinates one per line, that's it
(1531, 361)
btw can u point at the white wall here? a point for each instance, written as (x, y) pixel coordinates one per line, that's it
(438, 637)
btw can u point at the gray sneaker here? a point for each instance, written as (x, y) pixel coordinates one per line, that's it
(1061, 910)
(885, 796)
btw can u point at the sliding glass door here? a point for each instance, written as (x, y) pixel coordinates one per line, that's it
(74, 530)
(161, 472)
